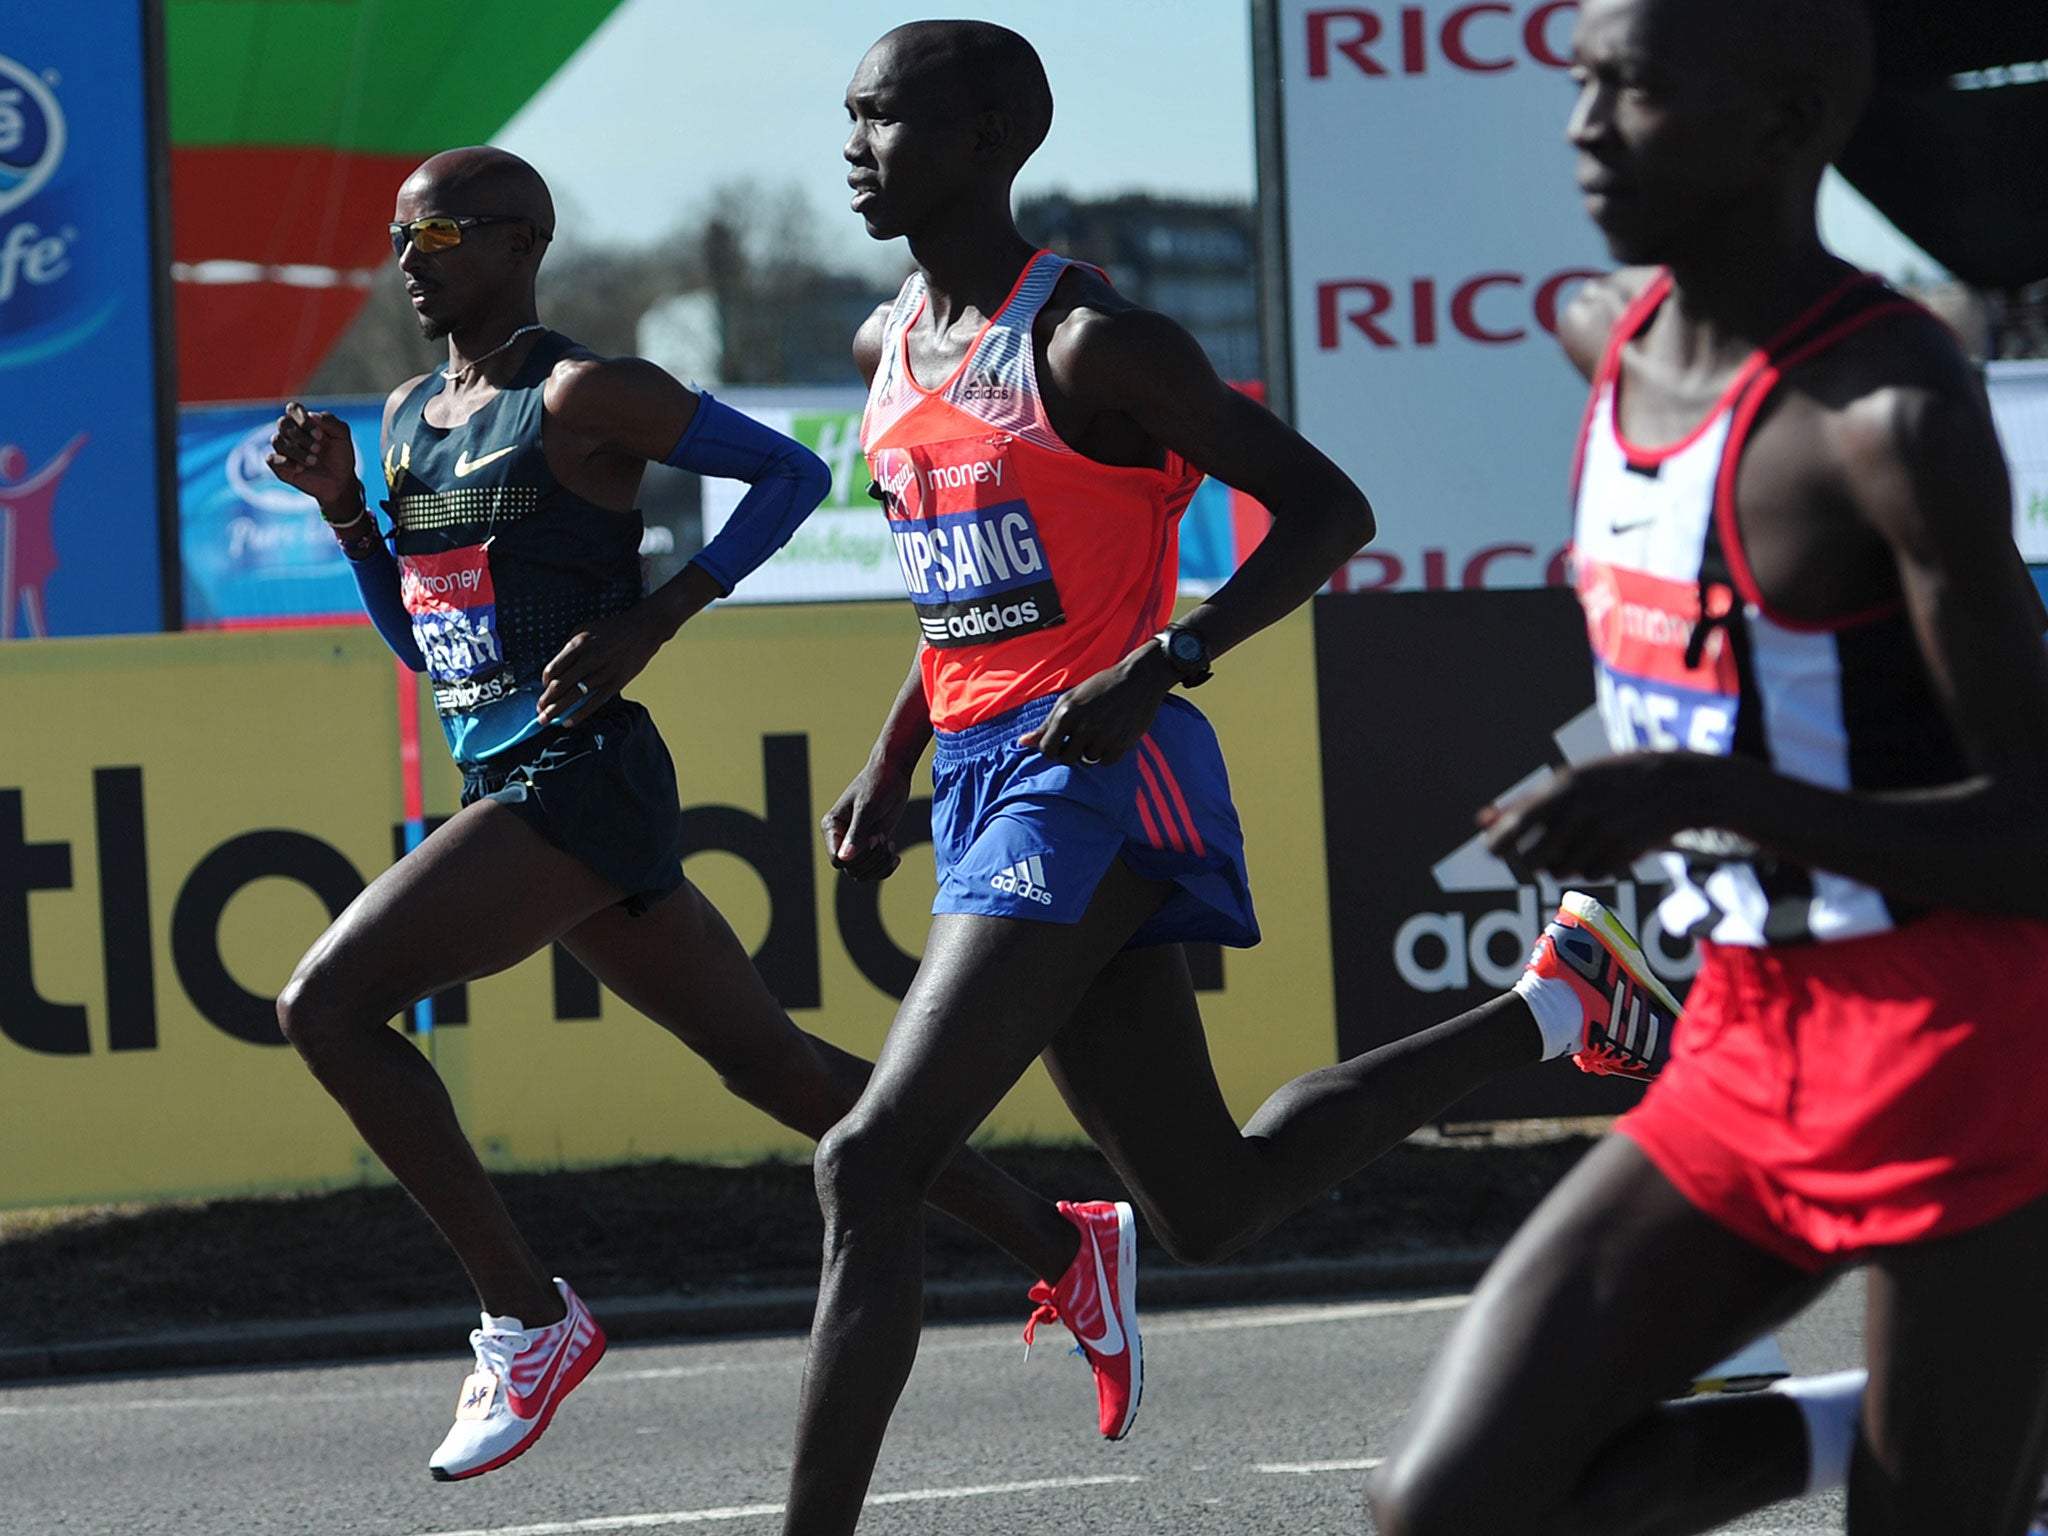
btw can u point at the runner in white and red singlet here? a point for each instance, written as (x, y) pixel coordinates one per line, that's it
(1820, 666)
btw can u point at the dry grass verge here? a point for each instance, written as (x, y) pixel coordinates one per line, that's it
(654, 1228)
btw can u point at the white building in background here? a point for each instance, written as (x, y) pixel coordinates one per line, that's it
(683, 335)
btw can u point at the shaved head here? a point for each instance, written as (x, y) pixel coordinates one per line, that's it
(490, 270)
(1820, 49)
(483, 180)
(1823, 46)
(976, 66)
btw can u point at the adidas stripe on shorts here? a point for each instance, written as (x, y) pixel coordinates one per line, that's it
(1016, 834)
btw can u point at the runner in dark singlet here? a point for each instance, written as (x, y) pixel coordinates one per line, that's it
(512, 476)
(1819, 661)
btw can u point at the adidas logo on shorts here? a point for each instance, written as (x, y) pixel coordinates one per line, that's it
(1025, 878)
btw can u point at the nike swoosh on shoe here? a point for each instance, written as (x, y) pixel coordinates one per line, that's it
(1111, 1329)
(525, 1404)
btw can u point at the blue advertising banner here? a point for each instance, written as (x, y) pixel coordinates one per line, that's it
(254, 550)
(81, 399)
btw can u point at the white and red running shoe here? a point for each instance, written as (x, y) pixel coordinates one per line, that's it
(1629, 1015)
(521, 1377)
(1097, 1298)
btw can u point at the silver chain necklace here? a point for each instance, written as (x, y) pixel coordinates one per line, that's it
(451, 374)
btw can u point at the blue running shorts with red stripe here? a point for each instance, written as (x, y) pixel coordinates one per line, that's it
(1016, 834)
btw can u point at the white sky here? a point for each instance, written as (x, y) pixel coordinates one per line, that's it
(671, 99)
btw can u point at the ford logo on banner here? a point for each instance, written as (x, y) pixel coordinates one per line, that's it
(31, 134)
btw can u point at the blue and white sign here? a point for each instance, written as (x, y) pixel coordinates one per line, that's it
(80, 497)
(254, 549)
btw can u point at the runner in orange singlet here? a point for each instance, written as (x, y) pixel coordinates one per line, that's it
(1033, 439)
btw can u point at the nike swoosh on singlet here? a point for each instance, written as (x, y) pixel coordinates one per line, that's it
(464, 464)
(1112, 1340)
(1629, 527)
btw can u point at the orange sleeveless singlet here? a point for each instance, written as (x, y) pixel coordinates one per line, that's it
(1030, 566)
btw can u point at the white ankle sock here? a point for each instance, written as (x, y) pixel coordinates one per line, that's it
(1832, 1406)
(1559, 1012)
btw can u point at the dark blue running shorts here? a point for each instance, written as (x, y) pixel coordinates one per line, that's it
(602, 790)
(1019, 835)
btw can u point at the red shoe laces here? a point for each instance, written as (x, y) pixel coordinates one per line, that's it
(1045, 1313)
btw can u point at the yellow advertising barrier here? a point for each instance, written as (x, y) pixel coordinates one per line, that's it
(180, 815)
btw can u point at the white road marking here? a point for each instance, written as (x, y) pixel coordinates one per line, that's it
(654, 1521)
(1294, 1317)
(190, 1404)
(684, 1372)
(1159, 1325)
(1305, 1468)
(981, 1490)
(605, 1376)
(623, 1522)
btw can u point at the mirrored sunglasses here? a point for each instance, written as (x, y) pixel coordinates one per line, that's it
(442, 234)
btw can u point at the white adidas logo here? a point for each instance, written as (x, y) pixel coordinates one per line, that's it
(1456, 949)
(1025, 878)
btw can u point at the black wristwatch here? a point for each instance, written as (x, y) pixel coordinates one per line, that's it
(1187, 653)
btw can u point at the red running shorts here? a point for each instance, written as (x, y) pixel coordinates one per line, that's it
(1827, 1099)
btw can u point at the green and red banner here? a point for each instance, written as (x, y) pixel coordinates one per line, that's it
(292, 124)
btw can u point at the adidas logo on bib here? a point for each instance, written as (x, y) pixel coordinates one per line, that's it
(1025, 878)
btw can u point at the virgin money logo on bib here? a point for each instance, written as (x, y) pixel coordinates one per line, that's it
(454, 610)
(978, 575)
(1650, 698)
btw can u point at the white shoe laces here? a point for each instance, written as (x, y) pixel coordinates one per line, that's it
(496, 1349)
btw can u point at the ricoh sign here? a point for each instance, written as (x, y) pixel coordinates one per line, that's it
(1422, 235)
(1477, 39)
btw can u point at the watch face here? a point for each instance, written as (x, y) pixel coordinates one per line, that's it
(1186, 648)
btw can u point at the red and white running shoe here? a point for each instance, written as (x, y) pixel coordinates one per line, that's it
(1097, 1298)
(521, 1377)
(1629, 1015)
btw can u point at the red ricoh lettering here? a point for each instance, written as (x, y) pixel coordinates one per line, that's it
(1490, 309)
(1381, 570)
(1379, 41)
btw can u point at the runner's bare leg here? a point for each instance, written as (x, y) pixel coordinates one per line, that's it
(1955, 1420)
(414, 932)
(1133, 1064)
(681, 965)
(990, 994)
(1546, 1411)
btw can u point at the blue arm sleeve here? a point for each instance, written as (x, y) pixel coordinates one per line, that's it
(377, 580)
(788, 482)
